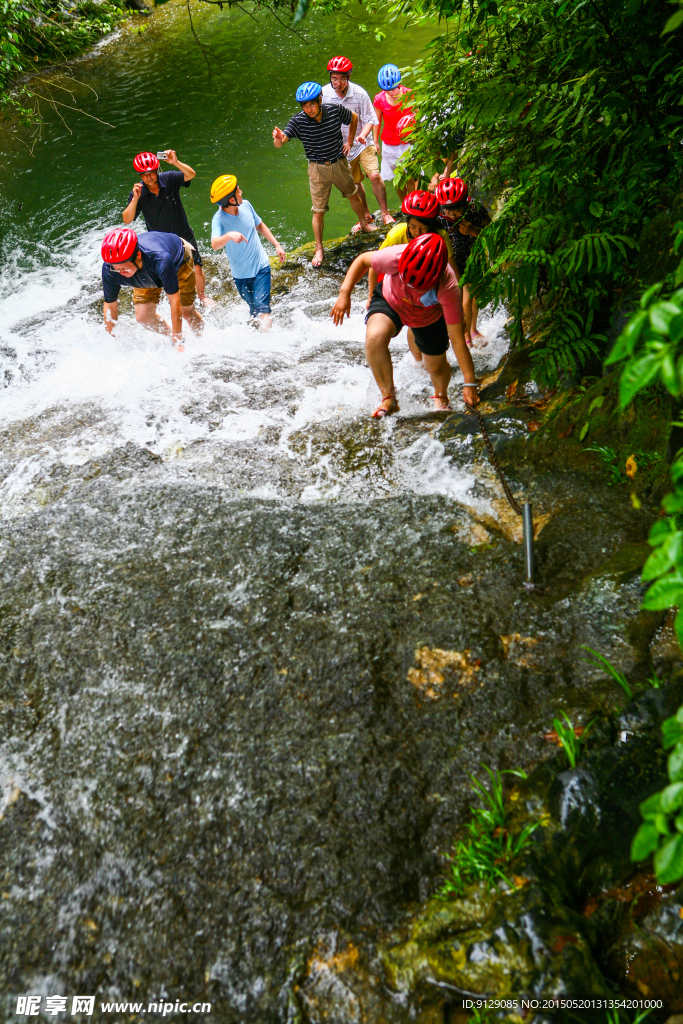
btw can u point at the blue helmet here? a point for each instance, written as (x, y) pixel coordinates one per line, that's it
(388, 77)
(308, 91)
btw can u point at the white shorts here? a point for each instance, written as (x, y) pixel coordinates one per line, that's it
(390, 157)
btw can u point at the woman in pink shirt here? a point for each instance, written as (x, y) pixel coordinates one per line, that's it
(390, 106)
(419, 290)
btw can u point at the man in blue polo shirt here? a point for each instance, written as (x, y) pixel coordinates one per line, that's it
(154, 262)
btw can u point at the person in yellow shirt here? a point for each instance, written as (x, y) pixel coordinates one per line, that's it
(422, 211)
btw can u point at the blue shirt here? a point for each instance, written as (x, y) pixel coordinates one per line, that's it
(162, 256)
(246, 258)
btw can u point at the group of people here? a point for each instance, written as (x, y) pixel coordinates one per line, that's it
(414, 278)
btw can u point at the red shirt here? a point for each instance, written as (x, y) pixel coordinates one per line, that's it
(390, 114)
(406, 301)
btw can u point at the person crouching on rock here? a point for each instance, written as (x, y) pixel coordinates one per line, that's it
(419, 290)
(157, 261)
(234, 228)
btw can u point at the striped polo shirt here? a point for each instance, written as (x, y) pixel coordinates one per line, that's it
(322, 140)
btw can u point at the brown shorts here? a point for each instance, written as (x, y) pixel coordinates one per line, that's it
(186, 281)
(365, 164)
(322, 177)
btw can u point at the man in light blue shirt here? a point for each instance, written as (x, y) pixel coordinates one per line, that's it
(234, 228)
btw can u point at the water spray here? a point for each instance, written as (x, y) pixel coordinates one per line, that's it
(523, 510)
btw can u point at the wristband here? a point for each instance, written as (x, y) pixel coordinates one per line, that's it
(473, 385)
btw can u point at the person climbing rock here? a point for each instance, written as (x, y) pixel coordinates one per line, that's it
(157, 197)
(465, 219)
(422, 213)
(363, 158)
(158, 260)
(318, 127)
(234, 228)
(391, 106)
(419, 290)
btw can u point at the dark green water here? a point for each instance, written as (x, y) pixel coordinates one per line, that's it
(157, 91)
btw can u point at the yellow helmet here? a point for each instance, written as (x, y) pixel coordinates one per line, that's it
(222, 187)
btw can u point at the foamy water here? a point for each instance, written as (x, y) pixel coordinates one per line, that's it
(73, 393)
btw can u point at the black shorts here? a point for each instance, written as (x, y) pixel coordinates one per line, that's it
(433, 339)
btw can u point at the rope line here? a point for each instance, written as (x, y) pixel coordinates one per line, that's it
(514, 505)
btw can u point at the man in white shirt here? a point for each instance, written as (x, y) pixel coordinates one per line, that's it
(363, 158)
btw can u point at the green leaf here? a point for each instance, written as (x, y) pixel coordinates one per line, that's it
(596, 209)
(661, 560)
(661, 823)
(678, 823)
(672, 797)
(662, 314)
(583, 431)
(645, 841)
(651, 807)
(673, 22)
(637, 375)
(664, 593)
(675, 763)
(595, 404)
(626, 341)
(669, 861)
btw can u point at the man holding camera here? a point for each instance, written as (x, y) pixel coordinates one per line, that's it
(157, 197)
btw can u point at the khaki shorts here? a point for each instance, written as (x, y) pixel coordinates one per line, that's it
(365, 164)
(321, 178)
(186, 282)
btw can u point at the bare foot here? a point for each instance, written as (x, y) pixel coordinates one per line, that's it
(370, 226)
(266, 321)
(441, 403)
(318, 257)
(206, 303)
(356, 228)
(388, 219)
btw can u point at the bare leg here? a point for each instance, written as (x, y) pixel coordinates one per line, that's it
(467, 312)
(146, 313)
(193, 318)
(412, 345)
(402, 192)
(474, 333)
(381, 196)
(357, 206)
(439, 370)
(200, 281)
(368, 218)
(318, 222)
(379, 332)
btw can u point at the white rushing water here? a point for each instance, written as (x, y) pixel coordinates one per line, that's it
(73, 393)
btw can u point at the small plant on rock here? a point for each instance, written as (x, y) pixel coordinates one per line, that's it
(570, 739)
(599, 661)
(489, 849)
(661, 833)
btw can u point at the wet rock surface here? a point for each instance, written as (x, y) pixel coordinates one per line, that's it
(236, 728)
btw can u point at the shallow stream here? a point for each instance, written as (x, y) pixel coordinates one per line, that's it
(225, 735)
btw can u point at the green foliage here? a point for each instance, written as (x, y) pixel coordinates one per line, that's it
(599, 661)
(570, 741)
(661, 833)
(39, 33)
(616, 473)
(571, 113)
(489, 848)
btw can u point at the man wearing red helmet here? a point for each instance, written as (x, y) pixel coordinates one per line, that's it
(157, 197)
(155, 261)
(363, 158)
(419, 291)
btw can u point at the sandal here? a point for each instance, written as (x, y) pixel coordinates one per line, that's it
(315, 262)
(383, 410)
(442, 408)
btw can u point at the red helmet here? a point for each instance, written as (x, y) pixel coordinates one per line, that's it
(421, 204)
(405, 125)
(423, 262)
(119, 245)
(145, 162)
(451, 191)
(341, 64)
